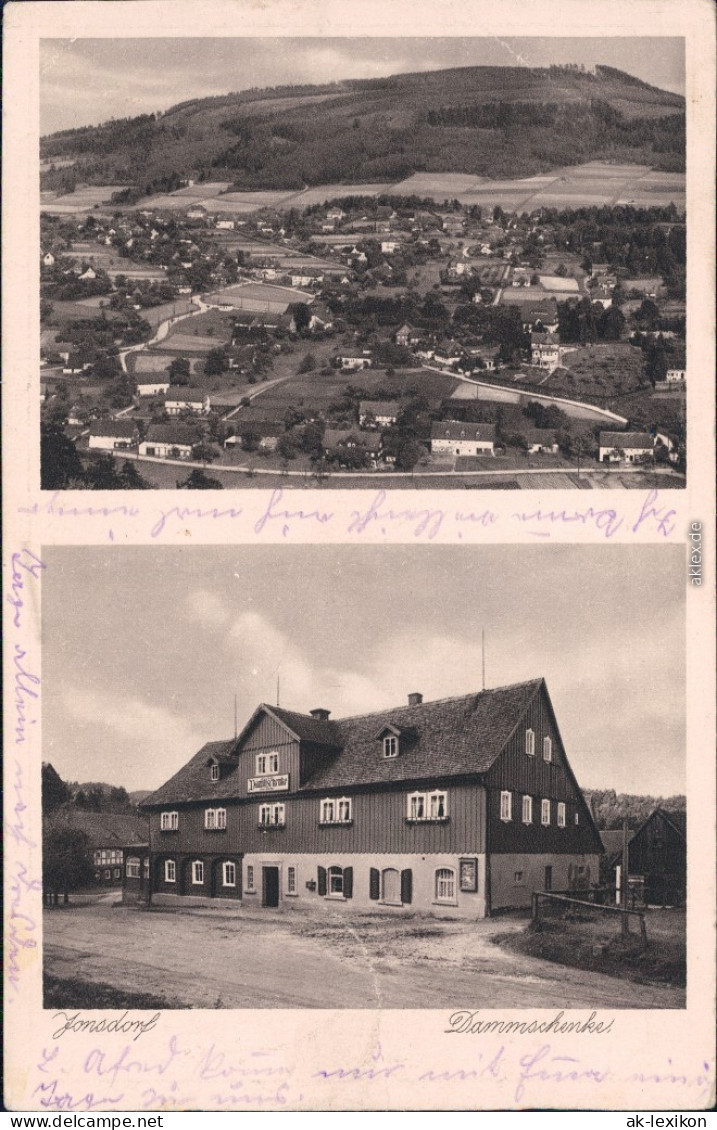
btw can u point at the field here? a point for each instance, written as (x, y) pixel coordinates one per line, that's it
(184, 342)
(152, 363)
(318, 391)
(83, 199)
(596, 183)
(604, 371)
(212, 323)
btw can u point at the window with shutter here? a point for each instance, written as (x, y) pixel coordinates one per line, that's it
(348, 882)
(374, 883)
(407, 886)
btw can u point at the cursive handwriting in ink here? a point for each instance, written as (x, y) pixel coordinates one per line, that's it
(662, 517)
(25, 566)
(184, 512)
(53, 1096)
(549, 1073)
(110, 1067)
(424, 520)
(607, 521)
(273, 514)
(24, 683)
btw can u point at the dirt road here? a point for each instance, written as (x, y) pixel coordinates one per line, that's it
(280, 959)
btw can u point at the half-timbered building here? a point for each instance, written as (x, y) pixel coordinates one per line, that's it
(465, 803)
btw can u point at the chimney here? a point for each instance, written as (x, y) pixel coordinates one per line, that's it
(320, 714)
(415, 699)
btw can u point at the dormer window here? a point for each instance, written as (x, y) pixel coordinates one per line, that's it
(214, 771)
(530, 743)
(390, 746)
(267, 763)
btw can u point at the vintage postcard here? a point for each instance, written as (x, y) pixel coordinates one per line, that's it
(378, 774)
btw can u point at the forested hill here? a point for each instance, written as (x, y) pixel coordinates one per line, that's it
(610, 808)
(490, 121)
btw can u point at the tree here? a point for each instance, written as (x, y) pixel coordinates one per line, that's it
(131, 478)
(54, 790)
(286, 446)
(308, 364)
(215, 363)
(199, 480)
(119, 799)
(179, 371)
(60, 465)
(302, 317)
(203, 452)
(66, 861)
(250, 439)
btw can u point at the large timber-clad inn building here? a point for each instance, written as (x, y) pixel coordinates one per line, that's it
(465, 805)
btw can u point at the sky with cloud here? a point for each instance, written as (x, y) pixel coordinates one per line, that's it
(144, 649)
(86, 81)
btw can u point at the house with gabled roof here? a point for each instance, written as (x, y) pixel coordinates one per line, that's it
(627, 447)
(657, 858)
(454, 437)
(113, 435)
(465, 805)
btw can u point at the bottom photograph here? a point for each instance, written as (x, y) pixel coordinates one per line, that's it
(364, 777)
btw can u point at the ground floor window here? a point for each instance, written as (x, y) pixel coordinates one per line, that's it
(250, 877)
(335, 882)
(445, 884)
(170, 871)
(107, 874)
(229, 874)
(291, 880)
(197, 872)
(145, 867)
(118, 873)
(133, 867)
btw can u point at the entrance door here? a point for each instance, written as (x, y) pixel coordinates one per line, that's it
(548, 879)
(270, 886)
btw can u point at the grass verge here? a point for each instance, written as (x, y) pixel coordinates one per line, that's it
(71, 992)
(583, 947)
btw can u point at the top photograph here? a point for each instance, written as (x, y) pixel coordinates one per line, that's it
(399, 263)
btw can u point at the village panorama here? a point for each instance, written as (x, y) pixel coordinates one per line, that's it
(464, 278)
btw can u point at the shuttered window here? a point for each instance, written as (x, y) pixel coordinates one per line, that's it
(407, 886)
(374, 888)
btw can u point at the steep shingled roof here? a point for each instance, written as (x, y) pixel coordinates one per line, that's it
(446, 738)
(192, 782)
(449, 737)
